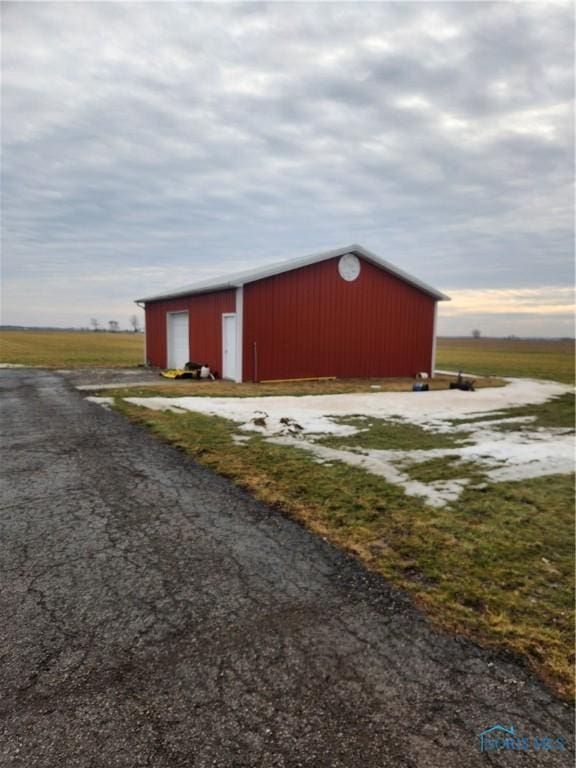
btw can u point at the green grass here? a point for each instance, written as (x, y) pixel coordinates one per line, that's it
(390, 434)
(444, 468)
(496, 566)
(537, 359)
(556, 413)
(71, 349)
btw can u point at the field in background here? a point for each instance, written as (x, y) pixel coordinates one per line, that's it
(71, 349)
(535, 359)
(487, 357)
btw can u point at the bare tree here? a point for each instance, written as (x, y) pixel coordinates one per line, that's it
(95, 323)
(135, 323)
(113, 325)
(476, 334)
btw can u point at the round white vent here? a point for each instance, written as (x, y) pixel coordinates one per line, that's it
(349, 267)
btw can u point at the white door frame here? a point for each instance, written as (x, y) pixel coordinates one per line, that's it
(235, 372)
(239, 333)
(168, 350)
(434, 332)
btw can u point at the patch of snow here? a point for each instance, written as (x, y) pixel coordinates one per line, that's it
(503, 455)
(14, 365)
(315, 413)
(463, 373)
(249, 412)
(381, 463)
(521, 455)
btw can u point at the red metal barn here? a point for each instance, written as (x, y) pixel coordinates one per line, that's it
(344, 313)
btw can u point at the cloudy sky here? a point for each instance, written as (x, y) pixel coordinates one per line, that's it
(148, 145)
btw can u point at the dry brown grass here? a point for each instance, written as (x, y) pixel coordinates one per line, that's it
(188, 388)
(71, 349)
(525, 358)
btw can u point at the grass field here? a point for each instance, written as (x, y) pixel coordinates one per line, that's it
(539, 359)
(63, 349)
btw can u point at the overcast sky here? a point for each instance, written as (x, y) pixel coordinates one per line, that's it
(148, 145)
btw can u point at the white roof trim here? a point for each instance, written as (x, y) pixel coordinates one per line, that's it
(241, 278)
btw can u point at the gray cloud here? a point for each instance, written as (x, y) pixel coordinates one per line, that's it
(153, 143)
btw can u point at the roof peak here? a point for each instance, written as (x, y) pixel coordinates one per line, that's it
(239, 279)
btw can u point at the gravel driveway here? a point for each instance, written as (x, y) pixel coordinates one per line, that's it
(155, 615)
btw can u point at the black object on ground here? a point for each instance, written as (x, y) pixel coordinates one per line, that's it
(466, 385)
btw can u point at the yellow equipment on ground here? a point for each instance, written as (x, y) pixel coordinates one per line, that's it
(179, 373)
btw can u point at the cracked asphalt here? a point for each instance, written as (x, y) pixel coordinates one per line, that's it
(155, 615)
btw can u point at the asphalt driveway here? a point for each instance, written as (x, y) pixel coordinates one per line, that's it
(155, 615)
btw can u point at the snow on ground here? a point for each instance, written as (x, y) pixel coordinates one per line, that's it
(503, 455)
(430, 410)
(388, 465)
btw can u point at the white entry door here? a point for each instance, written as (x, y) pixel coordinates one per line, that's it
(177, 342)
(229, 356)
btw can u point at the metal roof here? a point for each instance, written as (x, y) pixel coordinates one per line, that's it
(241, 278)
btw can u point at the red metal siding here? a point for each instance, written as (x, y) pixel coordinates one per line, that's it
(205, 324)
(310, 322)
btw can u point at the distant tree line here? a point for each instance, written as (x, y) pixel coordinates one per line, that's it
(114, 325)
